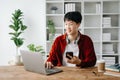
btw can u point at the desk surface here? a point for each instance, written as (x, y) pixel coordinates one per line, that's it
(69, 73)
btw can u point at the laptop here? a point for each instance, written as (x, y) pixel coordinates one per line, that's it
(33, 61)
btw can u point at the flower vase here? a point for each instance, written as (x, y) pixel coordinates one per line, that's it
(17, 57)
(53, 11)
(17, 60)
(51, 37)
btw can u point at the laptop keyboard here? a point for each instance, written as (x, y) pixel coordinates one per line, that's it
(52, 70)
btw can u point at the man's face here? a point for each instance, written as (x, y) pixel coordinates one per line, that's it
(71, 27)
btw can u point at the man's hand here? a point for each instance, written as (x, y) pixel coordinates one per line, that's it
(49, 65)
(74, 60)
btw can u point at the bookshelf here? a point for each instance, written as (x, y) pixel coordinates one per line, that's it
(101, 21)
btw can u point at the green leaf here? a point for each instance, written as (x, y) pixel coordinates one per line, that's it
(15, 34)
(31, 47)
(12, 34)
(13, 38)
(23, 27)
(34, 48)
(17, 13)
(13, 27)
(51, 26)
(18, 41)
(50, 22)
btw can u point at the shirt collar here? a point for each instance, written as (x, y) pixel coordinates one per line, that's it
(75, 41)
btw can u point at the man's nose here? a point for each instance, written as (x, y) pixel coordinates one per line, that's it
(68, 26)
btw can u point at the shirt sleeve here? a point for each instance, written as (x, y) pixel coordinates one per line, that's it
(87, 55)
(52, 53)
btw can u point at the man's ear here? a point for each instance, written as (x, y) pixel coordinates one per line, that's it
(78, 25)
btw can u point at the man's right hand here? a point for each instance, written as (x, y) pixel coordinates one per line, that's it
(49, 65)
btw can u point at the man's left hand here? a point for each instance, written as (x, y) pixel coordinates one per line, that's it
(74, 60)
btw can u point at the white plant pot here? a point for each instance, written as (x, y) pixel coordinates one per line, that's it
(53, 11)
(51, 37)
(17, 59)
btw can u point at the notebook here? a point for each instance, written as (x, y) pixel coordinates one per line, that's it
(33, 61)
(115, 67)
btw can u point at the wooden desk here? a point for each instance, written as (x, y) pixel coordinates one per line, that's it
(18, 73)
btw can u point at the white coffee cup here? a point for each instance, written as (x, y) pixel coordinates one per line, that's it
(101, 65)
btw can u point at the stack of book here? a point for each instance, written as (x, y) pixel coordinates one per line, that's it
(106, 36)
(108, 48)
(109, 61)
(113, 70)
(69, 7)
(106, 21)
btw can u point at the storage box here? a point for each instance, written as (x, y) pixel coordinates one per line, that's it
(106, 36)
(107, 47)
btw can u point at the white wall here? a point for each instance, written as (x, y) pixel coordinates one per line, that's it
(34, 18)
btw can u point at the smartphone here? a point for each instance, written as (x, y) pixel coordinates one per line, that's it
(68, 54)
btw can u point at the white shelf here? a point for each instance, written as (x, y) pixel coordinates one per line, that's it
(111, 13)
(93, 13)
(113, 27)
(110, 0)
(113, 41)
(73, 1)
(95, 41)
(57, 27)
(88, 14)
(116, 54)
(91, 27)
(54, 14)
(92, 0)
(54, 1)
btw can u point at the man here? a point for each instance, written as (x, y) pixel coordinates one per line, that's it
(72, 41)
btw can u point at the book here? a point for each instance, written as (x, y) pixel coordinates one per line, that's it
(98, 7)
(112, 73)
(114, 67)
(69, 7)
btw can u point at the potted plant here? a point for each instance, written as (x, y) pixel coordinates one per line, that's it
(18, 28)
(51, 29)
(34, 48)
(53, 9)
